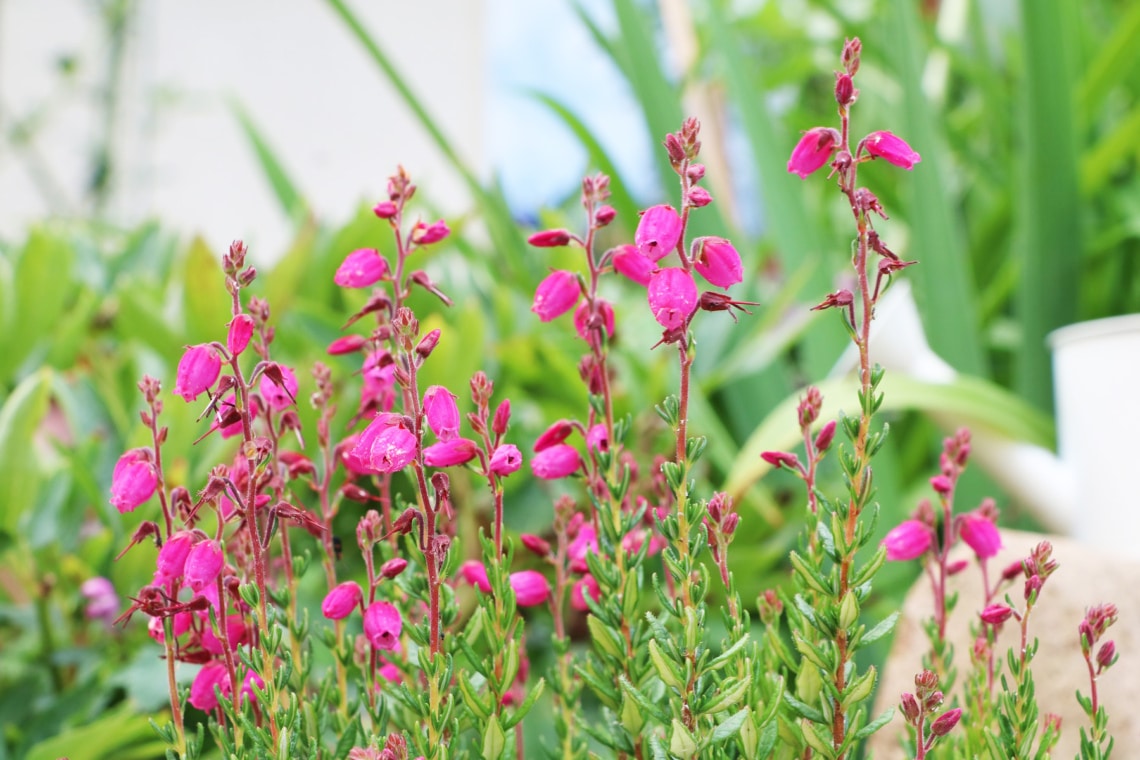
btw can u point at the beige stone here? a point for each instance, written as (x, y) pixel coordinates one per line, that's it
(1085, 576)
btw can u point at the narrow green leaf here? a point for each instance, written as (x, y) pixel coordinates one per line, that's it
(20, 467)
(730, 727)
(284, 189)
(206, 302)
(880, 630)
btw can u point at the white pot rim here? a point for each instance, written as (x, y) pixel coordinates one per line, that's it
(1095, 328)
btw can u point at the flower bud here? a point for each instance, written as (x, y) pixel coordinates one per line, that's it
(241, 330)
(1106, 655)
(996, 614)
(450, 453)
(945, 722)
(342, 600)
(553, 435)
(942, 484)
(845, 91)
(424, 234)
(980, 534)
(347, 344)
(781, 459)
(474, 573)
(604, 215)
(549, 239)
(393, 567)
(385, 209)
(536, 544)
(824, 437)
(910, 707)
(442, 412)
(695, 172)
(531, 588)
(427, 344)
(502, 418)
(698, 197)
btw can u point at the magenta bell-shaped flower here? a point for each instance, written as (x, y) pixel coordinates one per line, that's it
(506, 459)
(386, 445)
(203, 564)
(813, 150)
(909, 539)
(172, 556)
(658, 232)
(342, 600)
(382, 625)
(241, 330)
(362, 268)
(531, 588)
(555, 462)
(133, 480)
(475, 573)
(556, 295)
(891, 148)
(202, 694)
(279, 395)
(980, 534)
(672, 297)
(717, 261)
(442, 412)
(630, 262)
(450, 453)
(198, 370)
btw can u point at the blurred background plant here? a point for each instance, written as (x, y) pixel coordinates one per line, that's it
(1025, 217)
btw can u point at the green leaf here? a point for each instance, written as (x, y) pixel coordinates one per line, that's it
(20, 467)
(880, 630)
(730, 726)
(494, 740)
(42, 286)
(207, 304)
(119, 734)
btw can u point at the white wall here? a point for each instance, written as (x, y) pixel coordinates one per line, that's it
(292, 64)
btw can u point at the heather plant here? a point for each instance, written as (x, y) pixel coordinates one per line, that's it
(425, 653)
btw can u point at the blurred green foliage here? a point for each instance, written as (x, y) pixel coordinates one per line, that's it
(1024, 213)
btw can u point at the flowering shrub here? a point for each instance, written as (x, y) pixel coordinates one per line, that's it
(425, 655)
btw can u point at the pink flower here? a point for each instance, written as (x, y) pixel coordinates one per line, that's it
(629, 262)
(558, 461)
(133, 480)
(581, 318)
(658, 232)
(598, 438)
(389, 672)
(342, 600)
(474, 573)
(556, 295)
(202, 693)
(241, 330)
(450, 453)
(996, 614)
(362, 268)
(386, 445)
(426, 234)
(203, 564)
(980, 534)
(228, 405)
(506, 459)
(236, 633)
(347, 344)
(553, 435)
(393, 567)
(909, 539)
(442, 412)
(382, 625)
(672, 297)
(717, 261)
(198, 370)
(945, 722)
(172, 556)
(102, 601)
(942, 484)
(279, 387)
(892, 148)
(586, 585)
(585, 542)
(385, 209)
(531, 588)
(549, 239)
(813, 150)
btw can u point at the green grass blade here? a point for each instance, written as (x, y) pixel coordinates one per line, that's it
(943, 282)
(1049, 195)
